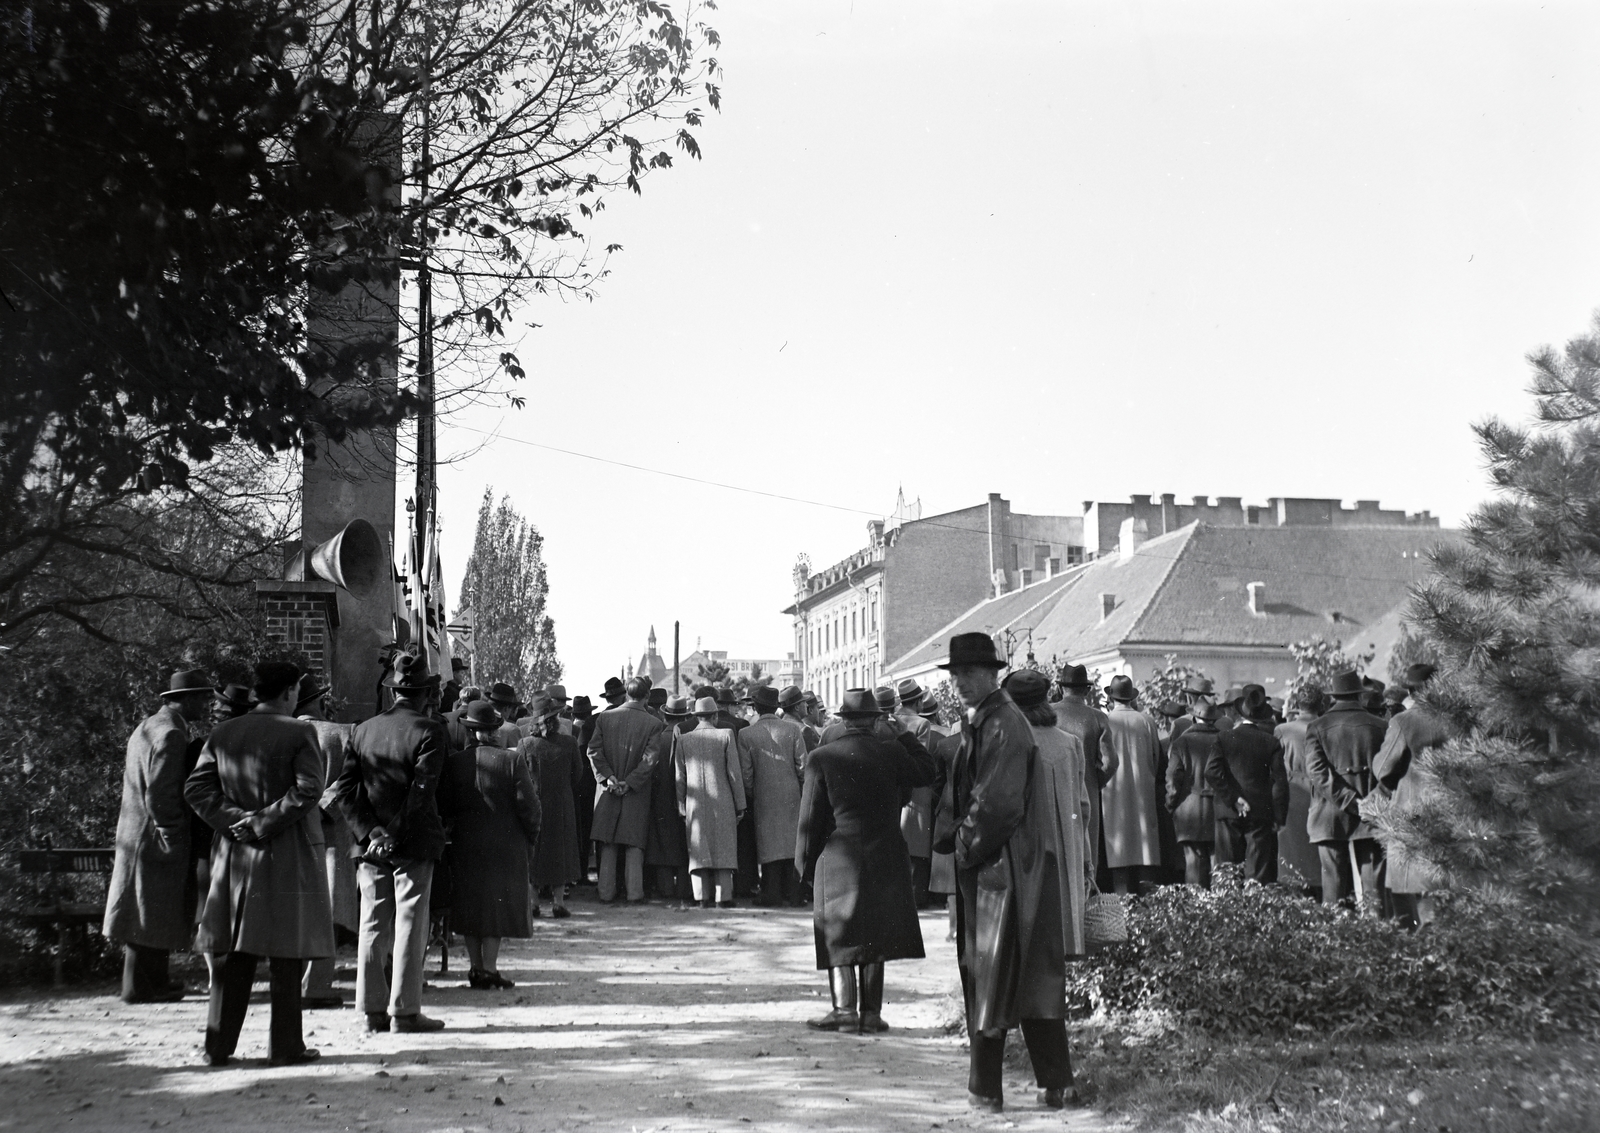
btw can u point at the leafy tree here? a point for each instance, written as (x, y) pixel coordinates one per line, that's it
(1512, 615)
(506, 588)
(1165, 683)
(711, 672)
(1316, 662)
(751, 680)
(1411, 649)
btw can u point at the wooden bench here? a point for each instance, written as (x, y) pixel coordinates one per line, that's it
(51, 909)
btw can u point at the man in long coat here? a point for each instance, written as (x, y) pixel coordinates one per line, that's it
(772, 761)
(666, 850)
(916, 817)
(318, 991)
(623, 751)
(1251, 790)
(1007, 981)
(388, 791)
(1340, 747)
(1294, 843)
(1076, 717)
(848, 846)
(1412, 732)
(1131, 824)
(145, 908)
(793, 706)
(711, 799)
(258, 784)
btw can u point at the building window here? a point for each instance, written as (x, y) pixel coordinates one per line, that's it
(1016, 563)
(854, 633)
(1074, 555)
(1041, 558)
(874, 613)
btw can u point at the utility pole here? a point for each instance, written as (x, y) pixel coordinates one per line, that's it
(427, 425)
(677, 686)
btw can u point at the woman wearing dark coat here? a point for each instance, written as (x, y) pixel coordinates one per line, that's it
(554, 760)
(1194, 816)
(850, 850)
(257, 784)
(490, 805)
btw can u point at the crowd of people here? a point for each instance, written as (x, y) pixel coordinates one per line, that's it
(478, 808)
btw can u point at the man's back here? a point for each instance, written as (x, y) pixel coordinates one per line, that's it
(619, 740)
(1340, 747)
(1251, 767)
(390, 776)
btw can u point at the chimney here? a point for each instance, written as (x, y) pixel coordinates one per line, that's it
(1108, 602)
(1131, 537)
(1169, 512)
(1258, 597)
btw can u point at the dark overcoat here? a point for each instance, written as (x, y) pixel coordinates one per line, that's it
(391, 779)
(557, 765)
(1189, 797)
(668, 843)
(1249, 766)
(849, 848)
(999, 876)
(145, 900)
(1340, 746)
(626, 744)
(1411, 733)
(269, 896)
(490, 806)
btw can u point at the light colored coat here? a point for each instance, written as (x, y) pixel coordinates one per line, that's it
(269, 897)
(626, 743)
(1295, 850)
(916, 817)
(343, 890)
(1128, 800)
(772, 764)
(144, 901)
(1058, 822)
(710, 795)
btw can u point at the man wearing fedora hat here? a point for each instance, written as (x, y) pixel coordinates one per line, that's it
(1007, 978)
(1131, 823)
(626, 744)
(145, 908)
(1340, 747)
(583, 794)
(388, 791)
(666, 851)
(506, 702)
(772, 761)
(1411, 733)
(1077, 716)
(1296, 854)
(849, 848)
(916, 817)
(792, 706)
(1251, 789)
(711, 799)
(232, 700)
(1197, 692)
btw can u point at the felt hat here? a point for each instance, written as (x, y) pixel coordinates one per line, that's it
(764, 697)
(582, 707)
(1171, 709)
(410, 674)
(884, 697)
(614, 687)
(1418, 675)
(1199, 686)
(1207, 713)
(1394, 694)
(726, 696)
(541, 708)
(236, 696)
(1075, 677)
(930, 709)
(910, 691)
(791, 697)
(706, 706)
(1346, 684)
(657, 697)
(704, 690)
(1253, 701)
(457, 664)
(310, 689)
(1233, 696)
(812, 697)
(186, 681)
(1027, 687)
(676, 707)
(502, 693)
(480, 716)
(973, 649)
(858, 702)
(557, 693)
(1121, 689)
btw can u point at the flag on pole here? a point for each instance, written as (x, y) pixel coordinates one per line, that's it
(461, 630)
(414, 595)
(434, 616)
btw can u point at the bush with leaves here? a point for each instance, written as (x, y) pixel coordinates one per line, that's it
(1245, 959)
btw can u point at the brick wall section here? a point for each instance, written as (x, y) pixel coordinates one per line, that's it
(303, 620)
(936, 570)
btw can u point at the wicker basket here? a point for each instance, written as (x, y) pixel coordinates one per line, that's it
(1105, 920)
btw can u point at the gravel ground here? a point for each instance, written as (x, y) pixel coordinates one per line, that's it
(623, 1018)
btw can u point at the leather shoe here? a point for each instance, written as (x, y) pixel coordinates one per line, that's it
(299, 1058)
(978, 1101)
(218, 1059)
(1060, 1098)
(378, 1021)
(171, 995)
(320, 1002)
(560, 912)
(835, 1020)
(872, 1023)
(414, 1024)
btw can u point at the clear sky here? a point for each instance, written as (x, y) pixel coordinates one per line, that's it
(1055, 250)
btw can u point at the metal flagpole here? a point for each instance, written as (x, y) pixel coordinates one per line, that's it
(677, 686)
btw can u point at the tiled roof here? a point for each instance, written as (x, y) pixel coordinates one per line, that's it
(1190, 587)
(1018, 608)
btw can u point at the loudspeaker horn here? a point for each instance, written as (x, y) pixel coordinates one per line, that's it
(353, 559)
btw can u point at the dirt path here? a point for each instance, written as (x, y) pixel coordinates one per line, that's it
(649, 1018)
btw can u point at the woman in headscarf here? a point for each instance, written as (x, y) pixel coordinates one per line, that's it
(490, 805)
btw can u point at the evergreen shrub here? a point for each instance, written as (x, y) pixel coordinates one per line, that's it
(1245, 959)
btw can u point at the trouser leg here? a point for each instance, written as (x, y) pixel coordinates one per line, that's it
(921, 869)
(144, 972)
(230, 998)
(1261, 853)
(1230, 842)
(1337, 883)
(413, 882)
(789, 878)
(1047, 1049)
(1197, 864)
(1405, 908)
(744, 881)
(986, 1063)
(319, 977)
(1369, 859)
(633, 871)
(870, 981)
(705, 886)
(375, 942)
(607, 876)
(727, 884)
(1125, 879)
(285, 1039)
